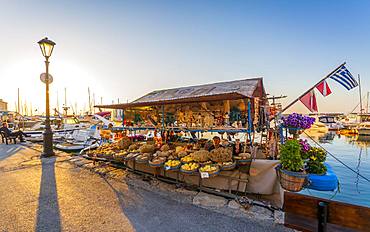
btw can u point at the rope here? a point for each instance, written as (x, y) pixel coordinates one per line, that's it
(345, 165)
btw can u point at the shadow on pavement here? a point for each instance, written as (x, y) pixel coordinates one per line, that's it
(48, 214)
(9, 150)
(149, 211)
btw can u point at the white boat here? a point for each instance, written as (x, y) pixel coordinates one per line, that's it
(364, 128)
(330, 122)
(79, 140)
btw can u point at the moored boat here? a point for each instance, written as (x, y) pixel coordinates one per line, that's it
(331, 122)
(364, 129)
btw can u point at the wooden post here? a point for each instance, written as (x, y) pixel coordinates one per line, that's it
(322, 216)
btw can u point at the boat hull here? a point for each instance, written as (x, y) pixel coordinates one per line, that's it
(326, 182)
(365, 132)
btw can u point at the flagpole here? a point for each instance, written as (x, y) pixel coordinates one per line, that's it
(293, 102)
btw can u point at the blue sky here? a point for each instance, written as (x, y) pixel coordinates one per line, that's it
(124, 49)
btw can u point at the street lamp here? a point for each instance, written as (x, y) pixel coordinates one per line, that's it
(47, 47)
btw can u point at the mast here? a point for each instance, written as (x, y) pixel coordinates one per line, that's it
(88, 90)
(18, 105)
(367, 102)
(57, 101)
(65, 97)
(94, 102)
(65, 108)
(359, 89)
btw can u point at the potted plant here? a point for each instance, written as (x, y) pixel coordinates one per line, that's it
(315, 160)
(321, 177)
(291, 169)
(297, 123)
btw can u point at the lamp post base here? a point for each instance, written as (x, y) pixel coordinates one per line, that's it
(48, 144)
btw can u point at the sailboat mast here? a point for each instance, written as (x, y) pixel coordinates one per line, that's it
(359, 89)
(88, 90)
(94, 103)
(18, 106)
(57, 101)
(367, 103)
(65, 102)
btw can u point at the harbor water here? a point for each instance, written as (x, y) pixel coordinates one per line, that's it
(353, 151)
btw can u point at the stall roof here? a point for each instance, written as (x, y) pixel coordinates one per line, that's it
(231, 90)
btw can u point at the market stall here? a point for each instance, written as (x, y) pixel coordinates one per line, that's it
(213, 136)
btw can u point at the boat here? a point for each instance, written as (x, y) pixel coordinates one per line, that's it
(326, 182)
(352, 120)
(317, 129)
(364, 129)
(79, 140)
(331, 122)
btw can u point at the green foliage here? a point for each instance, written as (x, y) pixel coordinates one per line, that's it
(290, 156)
(318, 153)
(316, 167)
(316, 158)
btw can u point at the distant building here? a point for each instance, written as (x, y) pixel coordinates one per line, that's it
(3, 105)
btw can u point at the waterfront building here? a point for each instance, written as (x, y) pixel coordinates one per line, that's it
(3, 105)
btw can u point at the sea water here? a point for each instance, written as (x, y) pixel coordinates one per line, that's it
(355, 152)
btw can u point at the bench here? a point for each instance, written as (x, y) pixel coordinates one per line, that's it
(6, 138)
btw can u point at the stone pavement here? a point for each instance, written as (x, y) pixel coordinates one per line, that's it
(55, 194)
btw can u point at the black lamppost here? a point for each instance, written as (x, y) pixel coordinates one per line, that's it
(47, 47)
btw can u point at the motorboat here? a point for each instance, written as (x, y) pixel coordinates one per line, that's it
(79, 140)
(318, 128)
(351, 121)
(331, 122)
(364, 129)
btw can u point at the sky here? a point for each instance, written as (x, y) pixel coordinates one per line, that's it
(122, 50)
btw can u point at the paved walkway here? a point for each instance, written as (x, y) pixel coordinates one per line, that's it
(54, 195)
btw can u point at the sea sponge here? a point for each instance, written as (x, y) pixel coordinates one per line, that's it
(164, 154)
(124, 143)
(245, 155)
(165, 147)
(200, 156)
(221, 155)
(182, 154)
(147, 148)
(133, 147)
(179, 148)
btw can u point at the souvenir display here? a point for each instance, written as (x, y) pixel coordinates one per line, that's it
(189, 168)
(221, 154)
(200, 156)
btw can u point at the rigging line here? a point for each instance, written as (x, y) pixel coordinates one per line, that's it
(365, 178)
(358, 169)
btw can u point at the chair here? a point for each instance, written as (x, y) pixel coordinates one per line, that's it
(6, 138)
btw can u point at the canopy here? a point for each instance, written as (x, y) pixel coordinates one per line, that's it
(231, 90)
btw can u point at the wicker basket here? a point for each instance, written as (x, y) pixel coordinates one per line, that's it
(131, 156)
(228, 167)
(291, 181)
(156, 165)
(141, 161)
(244, 165)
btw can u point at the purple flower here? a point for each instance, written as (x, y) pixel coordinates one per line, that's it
(298, 121)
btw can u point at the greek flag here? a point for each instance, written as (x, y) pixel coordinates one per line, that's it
(345, 78)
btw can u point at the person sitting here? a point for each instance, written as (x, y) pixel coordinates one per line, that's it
(238, 147)
(8, 132)
(216, 143)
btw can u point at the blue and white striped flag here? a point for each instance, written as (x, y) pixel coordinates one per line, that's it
(344, 77)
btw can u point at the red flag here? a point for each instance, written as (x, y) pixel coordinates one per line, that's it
(309, 100)
(324, 89)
